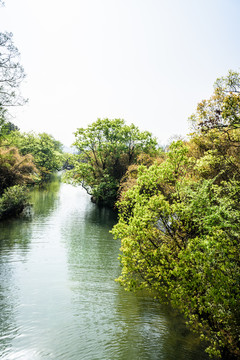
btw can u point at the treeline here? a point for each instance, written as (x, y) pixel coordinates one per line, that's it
(26, 159)
(179, 211)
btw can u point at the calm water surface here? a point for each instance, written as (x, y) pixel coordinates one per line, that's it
(58, 297)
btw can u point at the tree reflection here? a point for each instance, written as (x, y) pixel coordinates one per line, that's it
(15, 244)
(45, 198)
(161, 332)
(120, 325)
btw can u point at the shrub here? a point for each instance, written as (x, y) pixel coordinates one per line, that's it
(13, 201)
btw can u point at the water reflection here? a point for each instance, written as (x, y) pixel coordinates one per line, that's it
(15, 244)
(58, 297)
(45, 199)
(15, 236)
(110, 323)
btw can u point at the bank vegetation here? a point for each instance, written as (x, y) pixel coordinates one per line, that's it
(179, 211)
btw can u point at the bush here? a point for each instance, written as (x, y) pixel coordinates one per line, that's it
(180, 239)
(13, 201)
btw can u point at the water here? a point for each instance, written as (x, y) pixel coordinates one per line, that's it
(58, 297)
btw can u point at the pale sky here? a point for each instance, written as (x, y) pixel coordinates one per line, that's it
(147, 61)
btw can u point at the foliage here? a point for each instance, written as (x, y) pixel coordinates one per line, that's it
(180, 239)
(67, 161)
(13, 201)
(179, 223)
(6, 128)
(11, 75)
(46, 151)
(215, 155)
(222, 110)
(11, 72)
(9, 126)
(130, 177)
(106, 149)
(15, 168)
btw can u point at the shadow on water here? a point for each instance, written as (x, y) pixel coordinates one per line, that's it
(45, 198)
(116, 324)
(58, 295)
(17, 232)
(15, 243)
(158, 331)
(15, 236)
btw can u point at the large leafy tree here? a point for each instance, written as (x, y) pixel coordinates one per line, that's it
(216, 156)
(105, 150)
(179, 223)
(15, 169)
(222, 110)
(180, 239)
(216, 142)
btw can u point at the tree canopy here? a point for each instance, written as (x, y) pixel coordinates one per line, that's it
(180, 239)
(105, 150)
(222, 110)
(24, 158)
(179, 220)
(44, 148)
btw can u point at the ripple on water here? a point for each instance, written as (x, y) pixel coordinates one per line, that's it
(58, 297)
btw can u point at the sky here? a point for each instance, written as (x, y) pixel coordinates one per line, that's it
(148, 62)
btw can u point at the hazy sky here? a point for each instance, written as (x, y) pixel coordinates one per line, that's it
(147, 61)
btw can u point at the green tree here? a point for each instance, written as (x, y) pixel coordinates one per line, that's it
(13, 201)
(8, 127)
(215, 156)
(16, 171)
(46, 151)
(180, 239)
(216, 143)
(222, 110)
(105, 150)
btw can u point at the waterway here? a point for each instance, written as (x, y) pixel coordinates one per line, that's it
(58, 295)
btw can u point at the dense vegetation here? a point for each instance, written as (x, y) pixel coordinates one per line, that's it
(105, 150)
(179, 211)
(24, 158)
(179, 223)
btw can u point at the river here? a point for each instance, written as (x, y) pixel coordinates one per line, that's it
(58, 297)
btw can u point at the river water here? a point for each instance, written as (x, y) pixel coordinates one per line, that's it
(58, 297)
